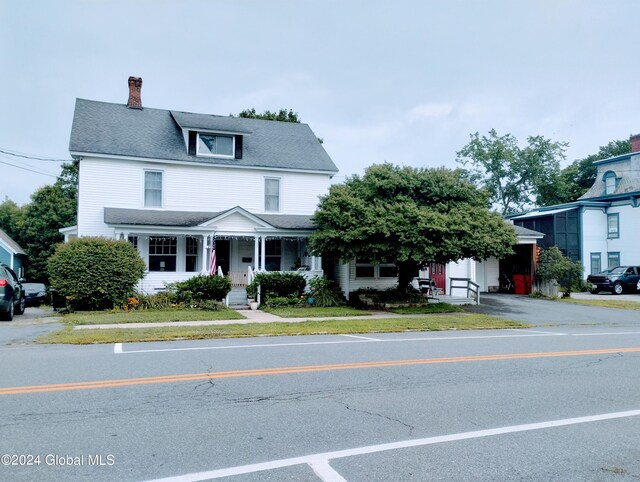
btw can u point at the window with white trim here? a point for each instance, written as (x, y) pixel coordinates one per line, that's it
(215, 145)
(367, 269)
(272, 254)
(163, 252)
(191, 254)
(153, 189)
(272, 194)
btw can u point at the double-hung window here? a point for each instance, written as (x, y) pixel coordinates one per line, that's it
(596, 263)
(272, 194)
(613, 225)
(162, 253)
(613, 260)
(610, 182)
(191, 254)
(153, 189)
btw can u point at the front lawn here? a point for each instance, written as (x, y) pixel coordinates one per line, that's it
(314, 311)
(426, 309)
(149, 316)
(310, 327)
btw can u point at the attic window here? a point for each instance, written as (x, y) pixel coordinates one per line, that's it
(610, 182)
(215, 145)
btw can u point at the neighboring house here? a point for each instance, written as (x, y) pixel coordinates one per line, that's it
(359, 274)
(601, 229)
(176, 184)
(12, 254)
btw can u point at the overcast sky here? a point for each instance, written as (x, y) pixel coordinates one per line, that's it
(398, 81)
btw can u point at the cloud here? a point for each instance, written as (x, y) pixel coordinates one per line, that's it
(431, 110)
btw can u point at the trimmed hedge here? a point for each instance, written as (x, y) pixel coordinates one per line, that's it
(95, 273)
(203, 287)
(277, 284)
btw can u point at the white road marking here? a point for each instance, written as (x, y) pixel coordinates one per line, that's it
(363, 337)
(538, 331)
(325, 472)
(117, 348)
(322, 460)
(372, 340)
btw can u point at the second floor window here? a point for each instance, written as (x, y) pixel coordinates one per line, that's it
(215, 145)
(153, 189)
(613, 225)
(272, 194)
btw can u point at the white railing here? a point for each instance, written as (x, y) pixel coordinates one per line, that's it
(473, 289)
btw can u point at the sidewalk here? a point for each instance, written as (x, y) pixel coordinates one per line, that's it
(256, 316)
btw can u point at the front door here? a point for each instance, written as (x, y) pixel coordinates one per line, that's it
(223, 251)
(437, 273)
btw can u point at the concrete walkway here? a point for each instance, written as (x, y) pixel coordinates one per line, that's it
(256, 316)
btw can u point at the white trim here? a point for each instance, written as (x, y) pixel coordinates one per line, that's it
(239, 210)
(202, 163)
(264, 191)
(144, 188)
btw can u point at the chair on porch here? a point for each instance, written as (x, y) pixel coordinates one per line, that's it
(427, 286)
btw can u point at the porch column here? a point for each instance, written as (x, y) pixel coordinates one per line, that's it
(256, 261)
(263, 257)
(203, 250)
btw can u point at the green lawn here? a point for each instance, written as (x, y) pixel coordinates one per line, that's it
(606, 303)
(310, 327)
(148, 316)
(426, 309)
(314, 311)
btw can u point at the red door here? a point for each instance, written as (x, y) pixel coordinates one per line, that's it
(438, 274)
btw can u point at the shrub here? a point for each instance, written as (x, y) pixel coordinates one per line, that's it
(325, 292)
(159, 301)
(553, 265)
(95, 273)
(277, 284)
(285, 301)
(203, 287)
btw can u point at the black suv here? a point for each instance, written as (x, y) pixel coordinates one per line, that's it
(12, 300)
(616, 280)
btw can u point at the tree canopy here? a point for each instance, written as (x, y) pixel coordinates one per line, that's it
(576, 179)
(283, 115)
(410, 217)
(513, 176)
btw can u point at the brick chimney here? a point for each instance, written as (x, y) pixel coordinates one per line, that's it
(135, 86)
(635, 143)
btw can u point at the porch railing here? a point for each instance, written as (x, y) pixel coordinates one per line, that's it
(465, 284)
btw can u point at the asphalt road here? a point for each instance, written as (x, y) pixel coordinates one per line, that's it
(548, 403)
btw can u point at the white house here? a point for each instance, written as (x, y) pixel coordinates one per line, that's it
(175, 184)
(602, 228)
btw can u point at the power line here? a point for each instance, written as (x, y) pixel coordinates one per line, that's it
(27, 169)
(27, 156)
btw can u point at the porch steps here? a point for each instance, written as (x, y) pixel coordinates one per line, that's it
(238, 297)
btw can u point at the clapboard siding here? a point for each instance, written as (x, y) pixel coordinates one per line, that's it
(120, 183)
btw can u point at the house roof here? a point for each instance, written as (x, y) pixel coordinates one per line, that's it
(524, 232)
(108, 129)
(10, 243)
(151, 217)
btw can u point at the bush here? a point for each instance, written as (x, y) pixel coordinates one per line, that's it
(163, 300)
(285, 301)
(95, 273)
(277, 284)
(553, 265)
(325, 292)
(203, 287)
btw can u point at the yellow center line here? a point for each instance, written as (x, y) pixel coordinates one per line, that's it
(299, 369)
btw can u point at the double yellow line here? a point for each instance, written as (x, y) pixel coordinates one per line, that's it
(126, 382)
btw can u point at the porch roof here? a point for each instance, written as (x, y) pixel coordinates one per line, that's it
(524, 232)
(155, 217)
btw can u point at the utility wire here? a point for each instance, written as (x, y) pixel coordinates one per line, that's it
(35, 158)
(27, 169)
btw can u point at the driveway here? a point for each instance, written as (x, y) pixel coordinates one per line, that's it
(548, 312)
(27, 327)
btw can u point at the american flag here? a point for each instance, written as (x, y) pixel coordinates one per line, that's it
(212, 268)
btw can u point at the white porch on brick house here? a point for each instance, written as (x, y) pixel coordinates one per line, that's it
(177, 245)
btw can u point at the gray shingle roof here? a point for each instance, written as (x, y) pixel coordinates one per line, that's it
(520, 231)
(13, 246)
(150, 217)
(113, 129)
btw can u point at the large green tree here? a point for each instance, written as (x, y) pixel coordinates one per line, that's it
(576, 179)
(513, 176)
(51, 208)
(283, 115)
(12, 219)
(410, 217)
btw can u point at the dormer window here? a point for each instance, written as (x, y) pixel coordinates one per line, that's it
(215, 145)
(610, 182)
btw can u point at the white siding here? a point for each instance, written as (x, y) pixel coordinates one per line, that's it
(120, 183)
(488, 274)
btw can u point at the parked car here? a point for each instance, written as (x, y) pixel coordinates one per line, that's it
(616, 280)
(12, 298)
(36, 294)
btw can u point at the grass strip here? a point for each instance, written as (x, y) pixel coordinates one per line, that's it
(149, 316)
(314, 311)
(620, 304)
(309, 327)
(427, 309)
